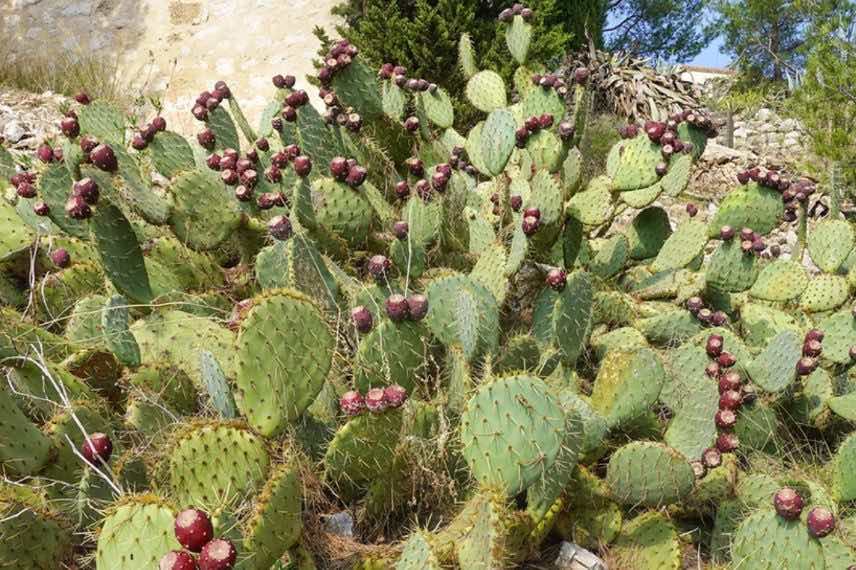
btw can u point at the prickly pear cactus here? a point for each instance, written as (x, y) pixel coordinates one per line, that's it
(388, 334)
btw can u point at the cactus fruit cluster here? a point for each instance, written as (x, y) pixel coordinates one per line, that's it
(453, 336)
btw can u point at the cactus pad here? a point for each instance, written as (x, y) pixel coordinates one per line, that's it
(486, 91)
(438, 108)
(24, 450)
(775, 368)
(681, 247)
(136, 534)
(829, 244)
(751, 206)
(468, 318)
(275, 524)
(648, 542)
(512, 430)
(766, 541)
(627, 385)
(593, 206)
(285, 351)
(31, 539)
(497, 140)
(418, 554)
(845, 467)
(205, 214)
(636, 163)
(646, 473)
(824, 293)
(392, 353)
(171, 154)
(730, 269)
(781, 280)
(102, 121)
(648, 232)
(15, 236)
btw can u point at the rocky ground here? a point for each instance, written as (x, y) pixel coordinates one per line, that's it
(26, 119)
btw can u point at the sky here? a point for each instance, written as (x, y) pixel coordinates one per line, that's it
(710, 56)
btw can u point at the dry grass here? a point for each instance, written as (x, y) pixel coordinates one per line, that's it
(67, 74)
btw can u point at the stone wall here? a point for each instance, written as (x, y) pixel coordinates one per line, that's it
(766, 134)
(176, 48)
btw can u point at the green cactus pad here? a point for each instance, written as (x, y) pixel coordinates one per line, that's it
(285, 350)
(546, 150)
(392, 353)
(648, 542)
(241, 120)
(829, 244)
(647, 473)
(134, 191)
(684, 245)
(565, 318)
(120, 341)
(812, 405)
(7, 164)
(520, 353)
(610, 257)
(627, 385)
(473, 147)
(593, 206)
(417, 554)
(342, 210)
(824, 293)
(297, 264)
(512, 430)
(467, 56)
(315, 138)
(540, 101)
(623, 338)
(205, 214)
(775, 368)
(275, 524)
(485, 543)
(648, 232)
(693, 399)
(24, 450)
(15, 235)
(643, 197)
(751, 206)
(845, 467)
(171, 154)
(121, 256)
(393, 100)
(490, 270)
(32, 539)
(731, 269)
(486, 91)
(221, 124)
(760, 323)
(54, 189)
(572, 170)
(757, 427)
(58, 291)
(840, 335)
(362, 450)
(136, 534)
(468, 317)
(781, 280)
(497, 140)
(215, 464)
(356, 86)
(518, 34)
(102, 121)
(438, 108)
(591, 519)
(678, 176)
(766, 541)
(670, 327)
(636, 165)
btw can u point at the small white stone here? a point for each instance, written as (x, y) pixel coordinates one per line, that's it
(14, 131)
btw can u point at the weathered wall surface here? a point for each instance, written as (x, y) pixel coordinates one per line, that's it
(177, 48)
(765, 133)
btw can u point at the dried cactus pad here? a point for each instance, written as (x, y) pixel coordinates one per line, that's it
(512, 430)
(648, 473)
(136, 534)
(285, 351)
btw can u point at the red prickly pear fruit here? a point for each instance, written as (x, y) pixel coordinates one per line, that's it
(654, 130)
(704, 315)
(415, 166)
(249, 178)
(159, 123)
(339, 167)
(26, 190)
(41, 209)
(206, 139)
(747, 234)
(718, 318)
(375, 401)
(439, 181)
(378, 266)
(230, 177)
(397, 308)
(725, 419)
(411, 124)
(103, 158)
(193, 529)
(820, 522)
(581, 75)
(417, 306)
(88, 143)
(695, 304)
(402, 190)
(289, 113)
(244, 194)
(400, 229)
(661, 169)
(527, 14)
(566, 130)
(356, 176)
(444, 168)
(386, 71)
(87, 189)
(730, 381)
(532, 213)
(545, 121)
(506, 15)
(714, 345)
(325, 75)
(280, 228)
(138, 142)
(395, 396)
(557, 279)
(352, 403)
(273, 174)
(222, 90)
(743, 177)
(726, 359)
(243, 165)
(727, 442)
(788, 503)
(423, 189)
(278, 81)
(77, 208)
(200, 112)
(83, 98)
(530, 225)
(178, 560)
(267, 200)
(711, 458)
(726, 233)
(806, 365)
(213, 161)
(302, 165)
(517, 9)
(812, 348)
(746, 246)
(276, 124)
(668, 137)
(712, 370)
(97, 448)
(263, 144)
(61, 258)
(362, 319)
(730, 400)
(532, 124)
(45, 153)
(218, 554)
(69, 127)
(516, 203)
(692, 210)
(815, 334)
